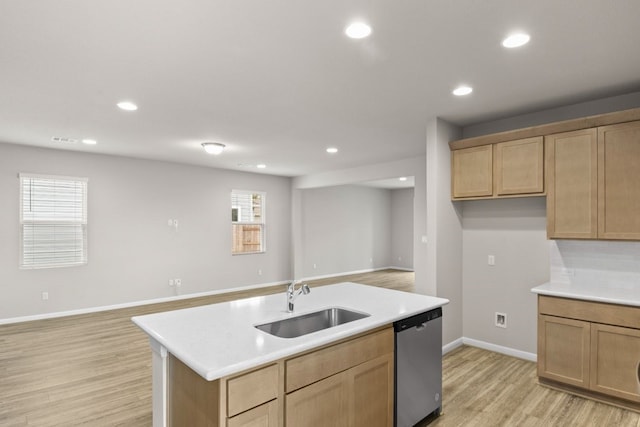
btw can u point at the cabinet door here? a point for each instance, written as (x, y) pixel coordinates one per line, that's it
(472, 172)
(615, 361)
(619, 181)
(324, 403)
(572, 178)
(563, 350)
(519, 167)
(372, 392)
(265, 415)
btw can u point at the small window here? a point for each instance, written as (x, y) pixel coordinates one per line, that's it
(53, 220)
(247, 222)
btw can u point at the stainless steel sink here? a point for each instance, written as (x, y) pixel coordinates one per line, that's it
(312, 322)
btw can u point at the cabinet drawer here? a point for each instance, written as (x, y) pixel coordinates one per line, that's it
(610, 314)
(251, 389)
(311, 367)
(263, 416)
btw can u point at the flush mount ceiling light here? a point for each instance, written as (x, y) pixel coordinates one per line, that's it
(89, 141)
(358, 30)
(462, 90)
(403, 178)
(332, 150)
(261, 166)
(127, 106)
(516, 40)
(213, 147)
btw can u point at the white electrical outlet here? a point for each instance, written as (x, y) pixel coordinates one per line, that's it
(259, 272)
(491, 260)
(45, 296)
(178, 282)
(315, 266)
(171, 282)
(501, 320)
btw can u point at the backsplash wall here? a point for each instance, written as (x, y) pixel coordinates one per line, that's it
(593, 262)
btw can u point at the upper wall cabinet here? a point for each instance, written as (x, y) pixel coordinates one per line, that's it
(572, 184)
(619, 181)
(593, 183)
(506, 169)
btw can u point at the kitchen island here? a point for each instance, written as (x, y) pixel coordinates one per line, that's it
(219, 342)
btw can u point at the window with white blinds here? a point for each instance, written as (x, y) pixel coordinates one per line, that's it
(53, 218)
(247, 221)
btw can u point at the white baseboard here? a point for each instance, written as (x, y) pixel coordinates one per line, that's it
(500, 349)
(451, 346)
(89, 310)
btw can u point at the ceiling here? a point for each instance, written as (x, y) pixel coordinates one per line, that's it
(278, 81)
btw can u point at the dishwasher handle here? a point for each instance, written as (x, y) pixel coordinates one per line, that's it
(419, 321)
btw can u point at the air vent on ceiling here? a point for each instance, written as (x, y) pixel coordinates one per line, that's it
(64, 140)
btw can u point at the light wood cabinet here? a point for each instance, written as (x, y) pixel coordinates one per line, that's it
(519, 167)
(615, 361)
(563, 350)
(349, 383)
(472, 172)
(506, 169)
(619, 181)
(590, 348)
(572, 185)
(593, 183)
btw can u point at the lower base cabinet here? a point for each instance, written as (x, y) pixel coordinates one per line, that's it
(591, 348)
(349, 383)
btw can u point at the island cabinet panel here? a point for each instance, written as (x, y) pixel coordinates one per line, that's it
(193, 401)
(563, 350)
(572, 185)
(324, 403)
(519, 167)
(472, 172)
(615, 362)
(313, 366)
(619, 181)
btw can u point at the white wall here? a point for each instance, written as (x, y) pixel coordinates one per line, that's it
(344, 229)
(132, 251)
(444, 230)
(514, 232)
(401, 255)
(408, 167)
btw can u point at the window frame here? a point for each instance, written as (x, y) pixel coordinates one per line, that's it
(262, 223)
(82, 222)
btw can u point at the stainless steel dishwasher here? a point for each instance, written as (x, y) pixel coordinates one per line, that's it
(418, 367)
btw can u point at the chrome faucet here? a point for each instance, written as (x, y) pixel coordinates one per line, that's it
(292, 294)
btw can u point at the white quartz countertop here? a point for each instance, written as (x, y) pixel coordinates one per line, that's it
(612, 293)
(220, 339)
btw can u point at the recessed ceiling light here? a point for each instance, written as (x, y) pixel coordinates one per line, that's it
(261, 166)
(213, 147)
(89, 141)
(462, 90)
(358, 30)
(127, 106)
(332, 150)
(403, 178)
(516, 40)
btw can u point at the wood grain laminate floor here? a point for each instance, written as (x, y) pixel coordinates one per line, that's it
(95, 370)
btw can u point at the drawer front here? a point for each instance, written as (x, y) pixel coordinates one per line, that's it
(590, 311)
(249, 390)
(263, 416)
(312, 367)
